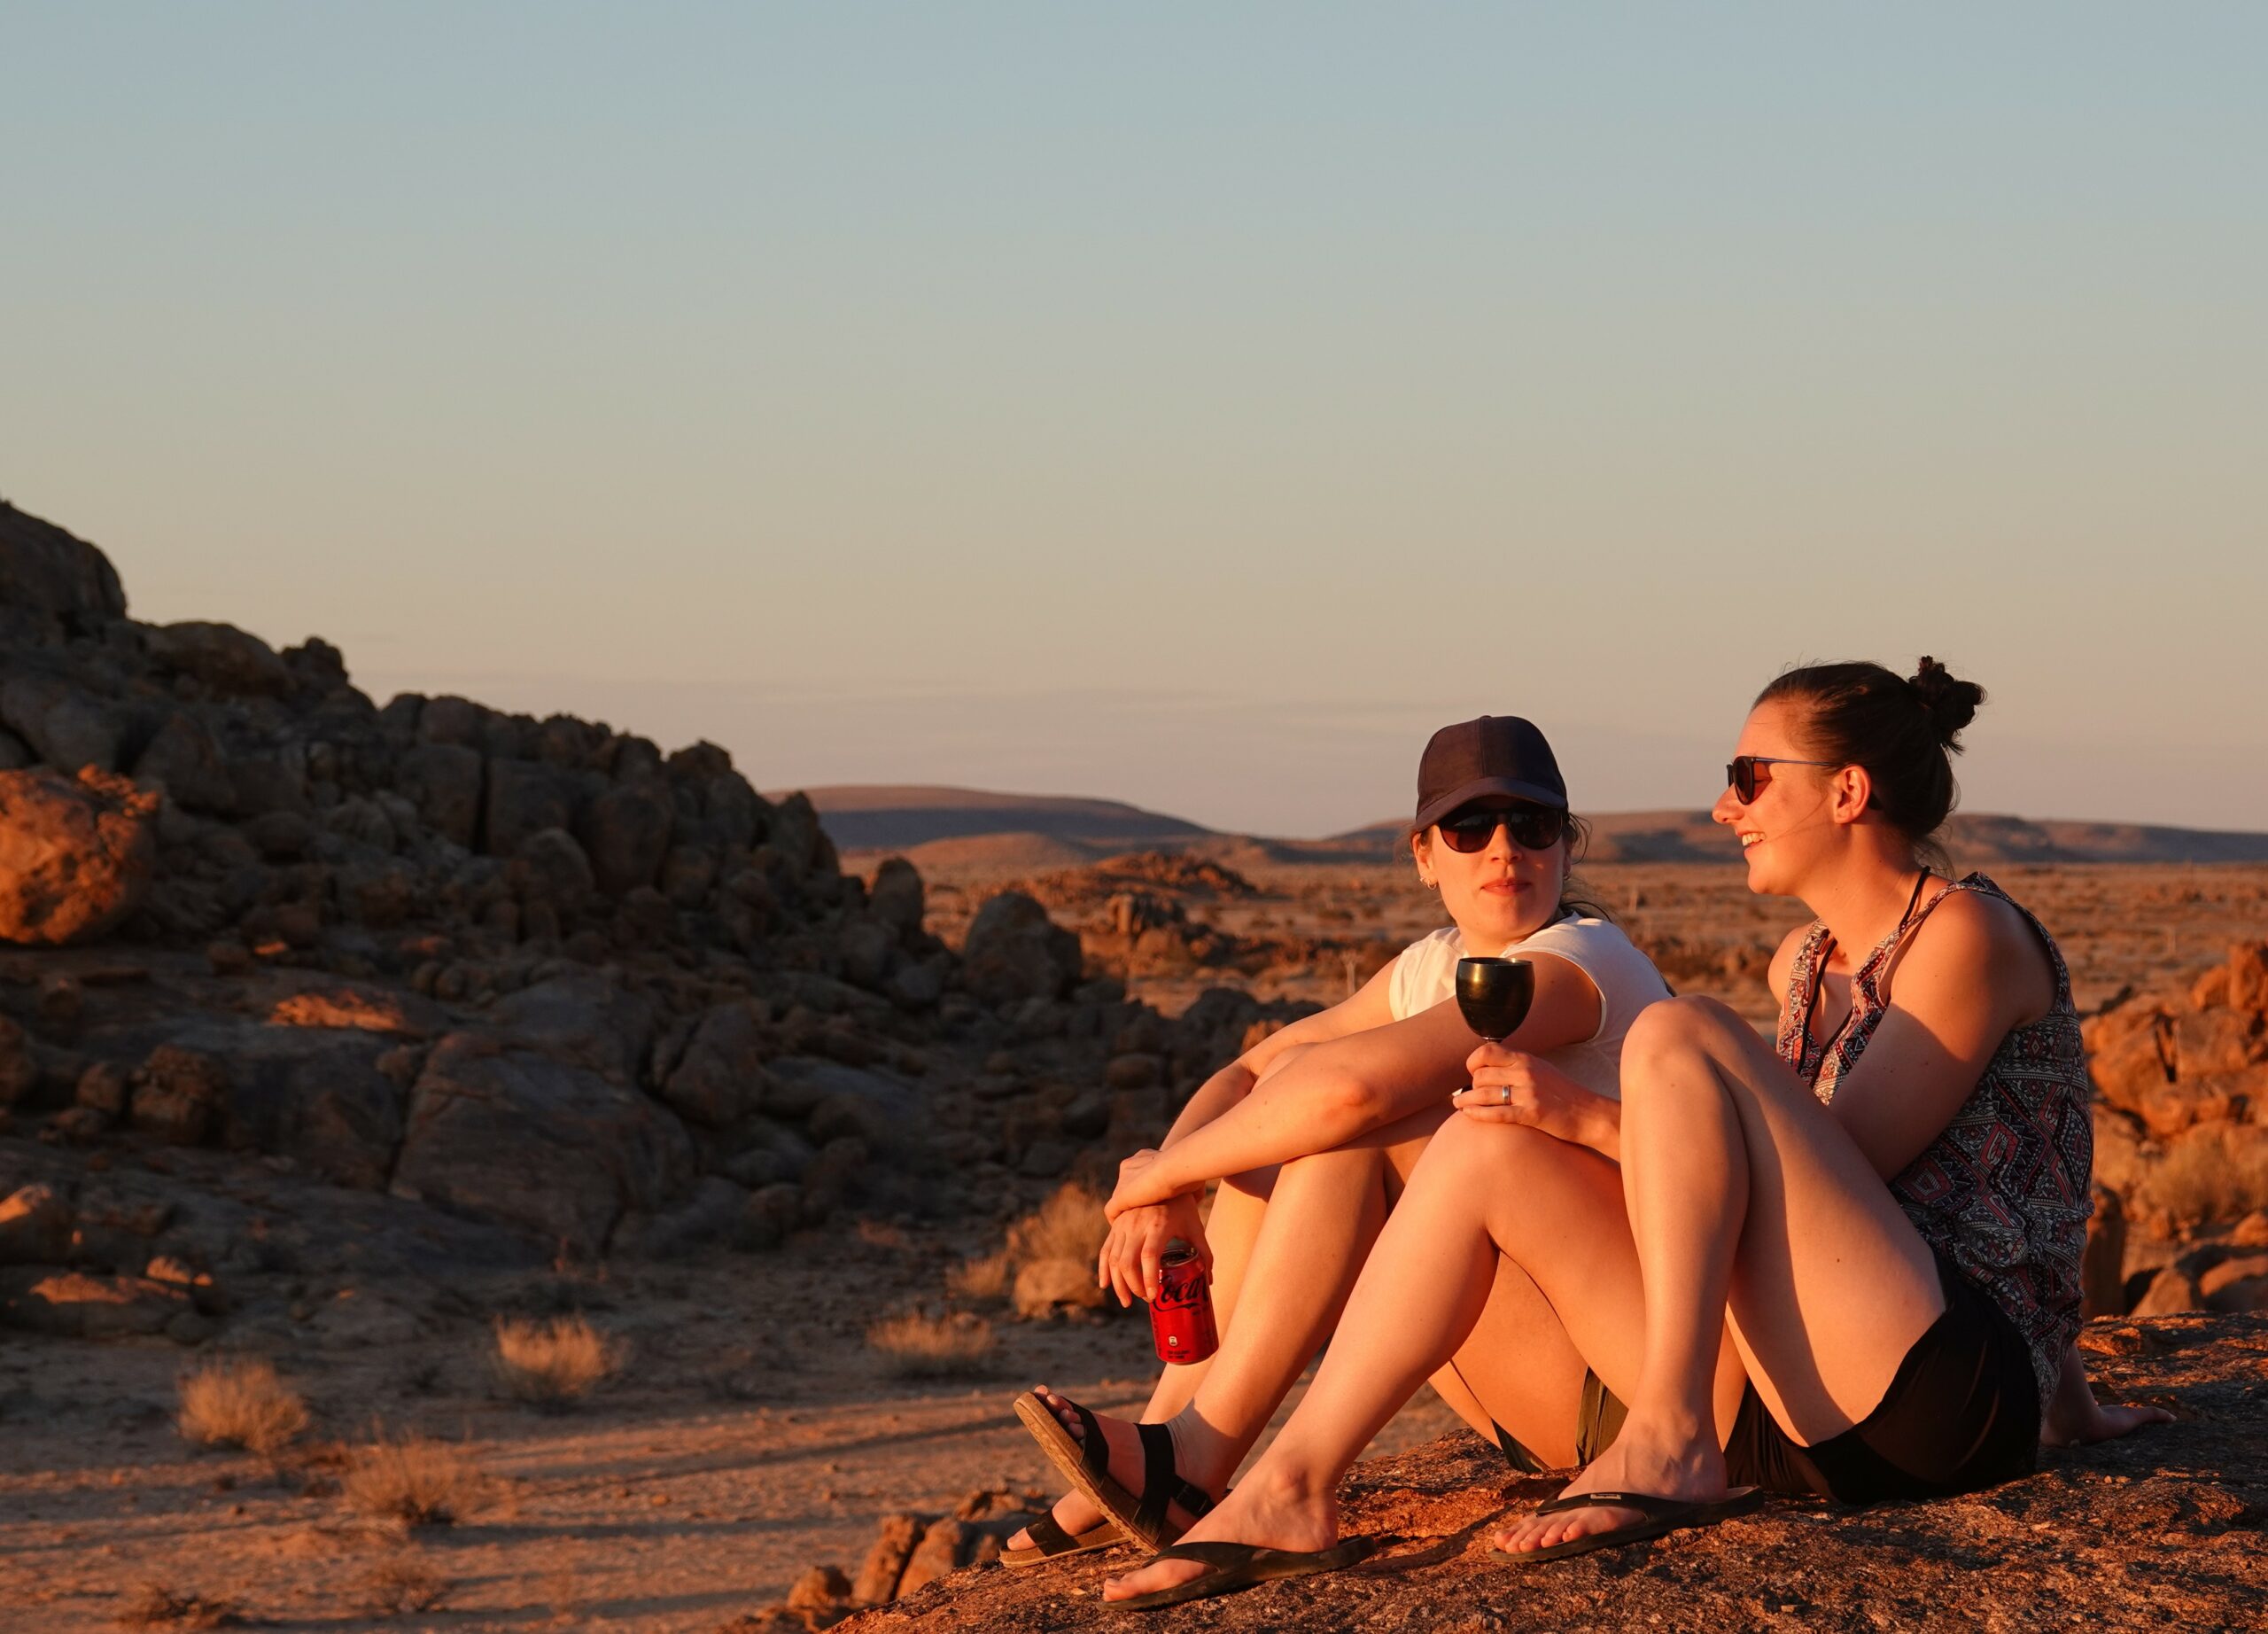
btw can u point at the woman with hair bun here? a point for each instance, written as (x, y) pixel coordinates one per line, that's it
(1885, 1211)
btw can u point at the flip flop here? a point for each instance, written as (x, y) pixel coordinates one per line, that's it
(1663, 1515)
(1085, 1464)
(1239, 1566)
(1051, 1542)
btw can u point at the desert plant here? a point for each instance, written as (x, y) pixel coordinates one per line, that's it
(237, 1401)
(927, 1347)
(984, 1277)
(1069, 1225)
(402, 1583)
(2200, 1181)
(153, 1606)
(554, 1364)
(419, 1480)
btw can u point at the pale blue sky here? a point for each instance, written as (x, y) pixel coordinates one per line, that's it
(1191, 405)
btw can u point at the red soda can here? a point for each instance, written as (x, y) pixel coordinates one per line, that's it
(1181, 1317)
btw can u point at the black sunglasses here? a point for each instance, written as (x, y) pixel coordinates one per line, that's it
(1533, 827)
(1740, 771)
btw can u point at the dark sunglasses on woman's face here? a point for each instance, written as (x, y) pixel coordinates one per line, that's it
(1533, 827)
(1740, 771)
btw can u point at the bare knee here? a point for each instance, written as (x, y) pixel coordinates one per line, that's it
(1475, 1146)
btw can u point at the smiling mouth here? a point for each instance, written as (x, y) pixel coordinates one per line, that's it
(1750, 839)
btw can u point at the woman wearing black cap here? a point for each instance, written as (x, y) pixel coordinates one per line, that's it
(1312, 1132)
(1887, 1210)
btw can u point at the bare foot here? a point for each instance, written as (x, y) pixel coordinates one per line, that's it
(1074, 1512)
(1661, 1464)
(1126, 1462)
(1268, 1509)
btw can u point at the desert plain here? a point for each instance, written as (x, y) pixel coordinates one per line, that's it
(464, 1170)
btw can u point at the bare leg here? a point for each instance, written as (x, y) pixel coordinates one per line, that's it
(1484, 1194)
(1746, 1194)
(1321, 1219)
(1239, 1207)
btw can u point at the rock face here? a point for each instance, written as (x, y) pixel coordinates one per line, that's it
(2159, 1529)
(76, 854)
(556, 1149)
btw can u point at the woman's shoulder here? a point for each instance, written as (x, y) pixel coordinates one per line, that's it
(1973, 918)
(1433, 943)
(1597, 946)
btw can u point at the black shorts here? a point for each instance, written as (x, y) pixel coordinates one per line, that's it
(1962, 1412)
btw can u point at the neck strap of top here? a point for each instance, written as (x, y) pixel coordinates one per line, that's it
(1819, 969)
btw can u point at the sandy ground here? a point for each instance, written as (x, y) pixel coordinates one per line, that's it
(753, 1432)
(752, 1435)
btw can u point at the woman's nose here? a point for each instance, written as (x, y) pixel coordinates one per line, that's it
(1727, 810)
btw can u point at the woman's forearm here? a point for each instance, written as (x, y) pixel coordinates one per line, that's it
(1269, 1125)
(1223, 1090)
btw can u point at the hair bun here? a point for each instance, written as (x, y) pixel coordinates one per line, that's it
(1952, 704)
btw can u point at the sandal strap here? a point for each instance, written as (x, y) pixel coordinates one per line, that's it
(1162, 1484)
(1651, 1504)
(1094, 1451)
(1048, 1536)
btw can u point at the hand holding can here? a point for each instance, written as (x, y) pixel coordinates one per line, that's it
(1181, 1317)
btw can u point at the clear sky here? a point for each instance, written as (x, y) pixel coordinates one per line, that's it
(1194, 405)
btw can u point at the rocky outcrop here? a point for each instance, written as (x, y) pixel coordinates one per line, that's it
(500, 975)
(1015, 951)
(2163, 1527)
(76, 854)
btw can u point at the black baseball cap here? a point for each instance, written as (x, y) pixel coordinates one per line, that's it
(1501, 756)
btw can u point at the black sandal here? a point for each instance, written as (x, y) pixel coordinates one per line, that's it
(1051, 1542)
(1663, 1515)
(1085, 1464)
(1231, 1566)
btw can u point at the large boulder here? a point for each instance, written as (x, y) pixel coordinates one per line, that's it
(232, 662)
(514, 1137)
(720, 1079)
(54, 578)
(524, 797)
(183, 759)
(76, 854)
(317, 1097)
(896, 897)
(626, 833)
(65, 726)
(444, 781)
(1015, 952)
(584, 1019)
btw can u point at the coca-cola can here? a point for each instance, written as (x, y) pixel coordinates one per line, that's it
(1181, 1317)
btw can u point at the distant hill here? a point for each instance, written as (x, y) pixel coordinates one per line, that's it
(872, 817)
(960, 828)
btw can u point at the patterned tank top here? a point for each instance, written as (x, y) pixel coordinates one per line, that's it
(2002, 1191)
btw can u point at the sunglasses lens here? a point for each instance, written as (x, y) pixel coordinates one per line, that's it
(1535, 828)
(1470, 831)
(1741, 774)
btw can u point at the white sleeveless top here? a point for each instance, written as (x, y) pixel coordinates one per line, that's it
(1425, 974)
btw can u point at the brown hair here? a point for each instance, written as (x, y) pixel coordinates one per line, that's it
(1904, 731)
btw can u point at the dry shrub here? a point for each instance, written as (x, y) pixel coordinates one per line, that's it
(2200, 1181)
(1069, 1225)
(985, 1277)
(153, 1606)
(414, 1480)
(553, 1364)
(237, 1401)
(927, 1347)
(402, 1583)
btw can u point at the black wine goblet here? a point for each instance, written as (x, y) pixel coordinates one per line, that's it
(1494, 994)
